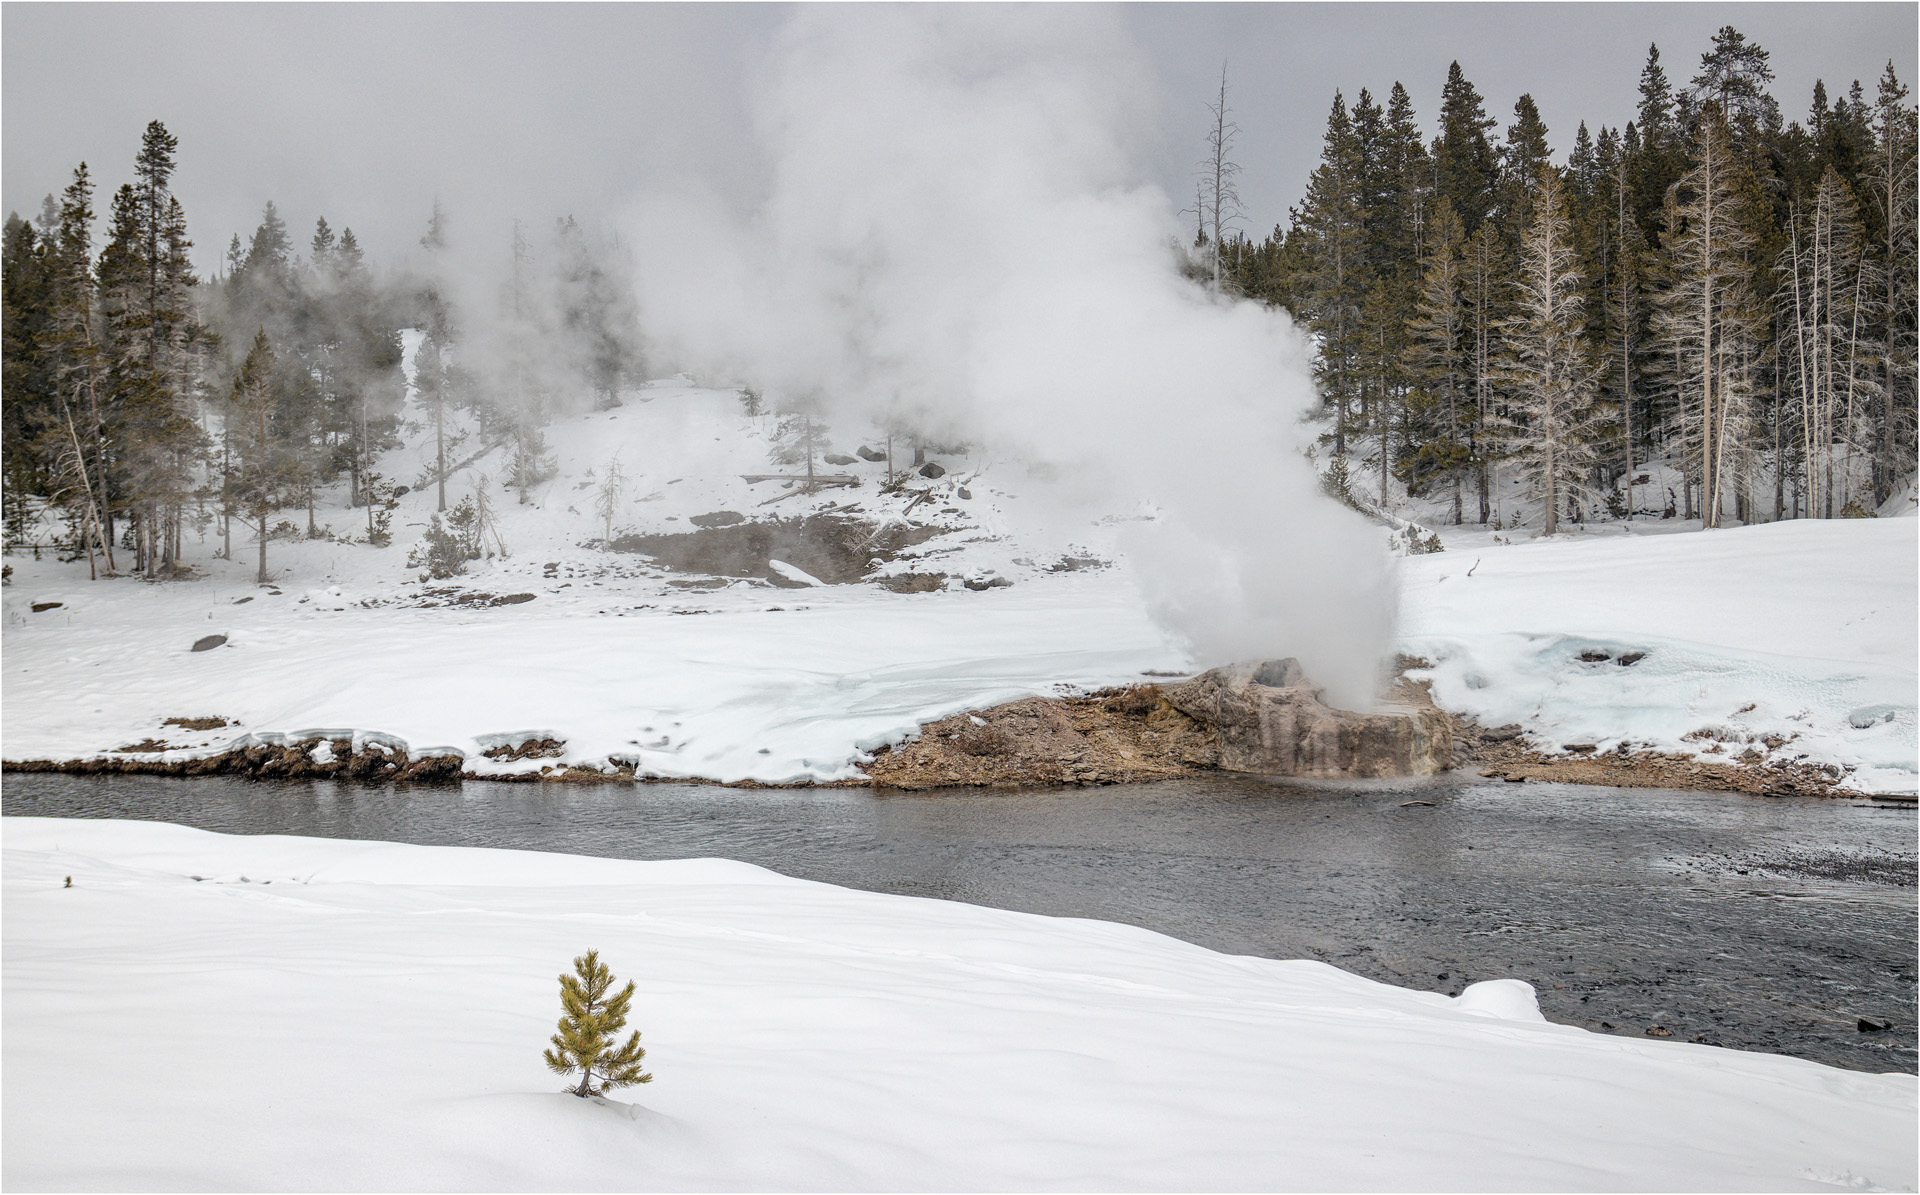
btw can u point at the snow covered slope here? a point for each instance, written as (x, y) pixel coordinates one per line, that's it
(1789, 640)
(208, 1012)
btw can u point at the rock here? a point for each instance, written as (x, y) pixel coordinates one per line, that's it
(932, 469)
(1594, 655)
(984, 583)
(1659, 1031)
(1870, 1025)
(719, 518)
(1580, 748)
(1271, 721)
(913, 582)
(868, 454)
(1629, 658)
(208, 643)
(1501, 734)
(511, 599)
(966, 495)
(838, 458)
(43, 607)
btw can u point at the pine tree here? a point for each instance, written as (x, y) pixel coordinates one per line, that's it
(1891, 184)
(1521, 158)
(589, 1027)
(1437, 359)
(1706, 320)
(1466, 169)
(1655, 151)
(1734, 75)
(255, 486)
(78, 361)
(1554, 382)
(1334, 221)
(1624, 308)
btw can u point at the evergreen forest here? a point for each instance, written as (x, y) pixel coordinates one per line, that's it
(1713, 287)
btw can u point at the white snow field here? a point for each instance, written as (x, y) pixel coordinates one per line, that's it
(1802, 631)
(210, 1012)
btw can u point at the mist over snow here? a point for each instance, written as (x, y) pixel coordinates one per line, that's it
(954, 240)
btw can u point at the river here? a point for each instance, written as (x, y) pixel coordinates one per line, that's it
(1760, 923)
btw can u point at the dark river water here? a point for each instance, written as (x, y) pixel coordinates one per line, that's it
(1764, 924)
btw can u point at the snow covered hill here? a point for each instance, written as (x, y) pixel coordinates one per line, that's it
(736, 665)
(205, 1012)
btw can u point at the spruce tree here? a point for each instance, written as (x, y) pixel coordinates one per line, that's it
(1437, 358)
(1466, 168)
(1334, 221)
(588, 1028)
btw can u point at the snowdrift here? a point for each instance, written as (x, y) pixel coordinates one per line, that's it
(206, 1012)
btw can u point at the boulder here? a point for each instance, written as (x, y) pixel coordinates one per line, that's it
(930, 469)
(868, 454)
(838, 458)
(1271, 721)
(208, 642)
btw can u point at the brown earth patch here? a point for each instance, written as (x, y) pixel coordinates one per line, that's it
(208, 723)
(837, 549)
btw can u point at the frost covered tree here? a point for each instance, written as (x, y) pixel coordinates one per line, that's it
(1705, 323)
(589, 1027)
(1554, 382)
(606, 498)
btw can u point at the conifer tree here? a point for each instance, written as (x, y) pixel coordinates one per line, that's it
(589, 1027)
(1466, 168)
(1891, 184)
(254, 486)
(1554, 381)
(1706, 320)
(1334, 221)
(1437, 358)
(1521, 158)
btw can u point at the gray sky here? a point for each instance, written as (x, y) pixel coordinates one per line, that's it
(364, 113)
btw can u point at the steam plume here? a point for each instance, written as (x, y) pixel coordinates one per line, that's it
(952, 240)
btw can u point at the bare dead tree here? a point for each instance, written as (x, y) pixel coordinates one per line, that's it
(1219, 199)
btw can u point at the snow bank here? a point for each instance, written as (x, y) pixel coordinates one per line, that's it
(1798, 632)
(201, 1011)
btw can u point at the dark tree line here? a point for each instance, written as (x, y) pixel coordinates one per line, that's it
(1711, 286)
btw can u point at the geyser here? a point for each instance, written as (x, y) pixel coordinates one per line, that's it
(953, 239)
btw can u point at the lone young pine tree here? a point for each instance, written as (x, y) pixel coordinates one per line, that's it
(588, 1027)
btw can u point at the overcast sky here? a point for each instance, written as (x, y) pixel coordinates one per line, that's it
(366, 113)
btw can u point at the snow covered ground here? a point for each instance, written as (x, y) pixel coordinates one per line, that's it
(1721, 644)
(208, 1012)
(1800, 633)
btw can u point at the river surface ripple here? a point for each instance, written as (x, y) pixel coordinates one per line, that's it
(1760, 923)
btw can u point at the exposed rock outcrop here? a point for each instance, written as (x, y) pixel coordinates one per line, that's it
(1271, 720)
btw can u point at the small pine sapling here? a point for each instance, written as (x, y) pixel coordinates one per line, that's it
(588, 1027)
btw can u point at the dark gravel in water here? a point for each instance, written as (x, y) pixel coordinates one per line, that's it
(1775, 924)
